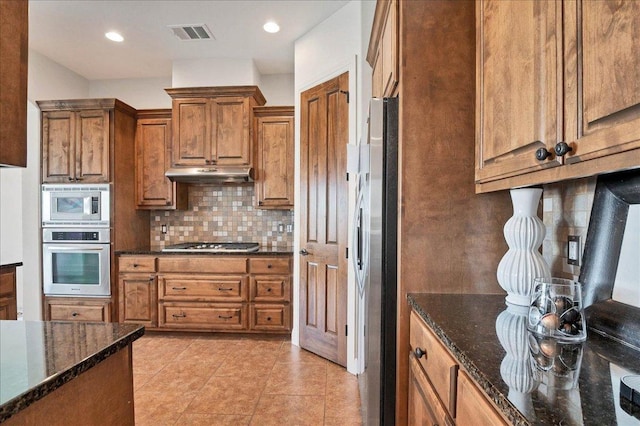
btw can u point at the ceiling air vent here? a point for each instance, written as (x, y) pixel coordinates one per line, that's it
(192, 32)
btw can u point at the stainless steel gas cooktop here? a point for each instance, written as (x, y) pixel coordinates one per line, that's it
(212, 248)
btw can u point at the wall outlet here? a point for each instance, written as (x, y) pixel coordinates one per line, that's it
(573, 250)
(281, 228)
(164, 229)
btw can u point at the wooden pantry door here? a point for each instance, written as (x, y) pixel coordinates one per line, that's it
(323, 237)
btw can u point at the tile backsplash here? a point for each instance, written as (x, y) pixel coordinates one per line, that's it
(222, 213)
(566, 211)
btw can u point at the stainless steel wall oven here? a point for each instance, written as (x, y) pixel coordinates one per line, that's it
(76, 261)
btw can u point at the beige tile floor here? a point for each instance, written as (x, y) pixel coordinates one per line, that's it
(187, 379)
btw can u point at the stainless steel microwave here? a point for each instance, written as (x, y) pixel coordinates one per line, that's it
(75, 205)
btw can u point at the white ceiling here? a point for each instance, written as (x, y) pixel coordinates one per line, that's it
(71, 33)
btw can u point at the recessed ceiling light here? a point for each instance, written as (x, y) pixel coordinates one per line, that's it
(271, 27)
(114, 36)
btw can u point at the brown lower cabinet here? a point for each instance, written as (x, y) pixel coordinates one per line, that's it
(77, 309)
(440, 393)
(8, 301)
(206, 293)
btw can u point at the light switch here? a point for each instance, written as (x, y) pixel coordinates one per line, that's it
(573, 250)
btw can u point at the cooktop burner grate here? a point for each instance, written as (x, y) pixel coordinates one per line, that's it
(213, 247)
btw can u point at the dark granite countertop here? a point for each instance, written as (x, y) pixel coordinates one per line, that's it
(492, 344)
(37, 357)
(263, 251)
(11, 265)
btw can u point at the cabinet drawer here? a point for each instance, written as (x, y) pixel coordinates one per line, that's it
(203, 288)
(425, 406)
(439, 365)
(271, 288)
(203, 316)
(271, 317)
(210, 264)
(473, 407)
(136, 264)
(78, 311)
(269, 265)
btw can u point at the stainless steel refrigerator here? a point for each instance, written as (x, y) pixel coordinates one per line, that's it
(376, 263)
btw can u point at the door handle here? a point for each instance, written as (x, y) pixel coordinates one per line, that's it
(304, 252)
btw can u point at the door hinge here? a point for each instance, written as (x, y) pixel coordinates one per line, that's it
(346, 330)
(346, 92)
(346, 252)
(347, 176)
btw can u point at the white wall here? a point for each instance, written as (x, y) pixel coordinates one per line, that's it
(214, 72)
(140, 93)
(278, 89)
(328, 50)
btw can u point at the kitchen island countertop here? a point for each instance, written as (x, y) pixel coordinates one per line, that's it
(490, 341)
(38, 357)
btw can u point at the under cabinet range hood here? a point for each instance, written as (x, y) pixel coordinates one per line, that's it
(211, 174)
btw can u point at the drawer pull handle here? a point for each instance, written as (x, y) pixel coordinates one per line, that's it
(419, 353)
(181, 315)
(135, 265)
(225, 317)
(74, 314)
(224, 289)
(178, 288)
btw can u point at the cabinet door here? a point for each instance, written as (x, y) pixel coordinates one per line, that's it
(138, 299)
(14, 35)
(424, 406)
(92, 146)
(602, 67)
(191, 133)
(389, 53)
(274, 181)
(58, 146)
(231, 129)
(473, 407)
(153, 188)
(519, 86)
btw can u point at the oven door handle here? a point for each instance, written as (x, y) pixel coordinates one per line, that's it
(77, 248)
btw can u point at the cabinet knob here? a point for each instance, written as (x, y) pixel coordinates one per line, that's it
(74, 314)
(269, 290)
(151, 279)
(70, 179)
(542, 154)
(259, 203)
(304, 252)
(562, 148)
(419, 353)
(268, 318)
(79, 178)
(135, 265)
(269, 266)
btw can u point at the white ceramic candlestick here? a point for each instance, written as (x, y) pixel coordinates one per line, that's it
(524, 233)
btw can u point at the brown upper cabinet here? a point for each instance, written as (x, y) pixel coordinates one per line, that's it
(77, 137)
(383, 49)
(212, 125)
(14, 45)
(153, 157)
(273, 131)
(558, 85)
